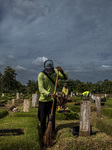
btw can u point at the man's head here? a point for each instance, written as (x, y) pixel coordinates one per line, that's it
(49, 66)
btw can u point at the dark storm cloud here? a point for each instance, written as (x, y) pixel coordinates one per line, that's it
(74, 34)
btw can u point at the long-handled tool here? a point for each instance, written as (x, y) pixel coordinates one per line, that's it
(48, 132)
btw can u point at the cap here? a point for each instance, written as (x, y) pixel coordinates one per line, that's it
(48, 65)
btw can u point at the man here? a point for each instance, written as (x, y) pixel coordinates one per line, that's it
(86, 94)
(63, 98)
(46, 85)
(65, 91)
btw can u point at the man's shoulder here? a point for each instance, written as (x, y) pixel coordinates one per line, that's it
(41, 74)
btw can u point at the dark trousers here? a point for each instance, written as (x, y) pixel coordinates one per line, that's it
(44, 111)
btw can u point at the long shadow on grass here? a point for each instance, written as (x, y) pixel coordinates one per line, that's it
(72, 125)
(67, 125)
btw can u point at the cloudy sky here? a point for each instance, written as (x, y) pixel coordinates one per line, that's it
(75, 34)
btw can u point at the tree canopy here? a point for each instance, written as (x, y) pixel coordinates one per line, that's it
(8, 83)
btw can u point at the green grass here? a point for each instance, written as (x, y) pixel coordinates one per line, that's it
(3, 101)
(105, 125)
(32, 113)
(73, 107)
(107, 112)
(67, 141)
(77, 97)
(109, 102)
(67, 116)
(28, 141)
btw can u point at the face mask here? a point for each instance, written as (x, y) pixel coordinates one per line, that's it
(49, 71)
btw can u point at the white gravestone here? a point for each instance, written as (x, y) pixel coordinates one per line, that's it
(26, 105)
(92, 97)
(3, 95)
(17, 95)
(13, 101)
(77, 93)
(34, 99)
(71, 94)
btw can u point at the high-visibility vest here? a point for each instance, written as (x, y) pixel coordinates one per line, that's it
(85, 93)
(65, 90)
(46, 86)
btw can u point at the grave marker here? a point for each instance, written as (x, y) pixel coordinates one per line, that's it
(3, 95)
(105, 95)
(71, 94)
(17, 96)
(98, 106)
(77, 94)
(85, 113)
(26, 105)
(92, 97)
(34, 99)
(13, 101)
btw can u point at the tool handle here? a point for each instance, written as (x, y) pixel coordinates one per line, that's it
(54, 92)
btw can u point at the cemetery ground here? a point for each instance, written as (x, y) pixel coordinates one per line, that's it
(28, 122)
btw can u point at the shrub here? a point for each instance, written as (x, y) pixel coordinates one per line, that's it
(3, 113)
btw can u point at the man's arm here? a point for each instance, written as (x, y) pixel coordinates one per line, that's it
(41, 85)
(62, 74)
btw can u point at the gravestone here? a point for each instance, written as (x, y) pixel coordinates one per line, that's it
(85, 112)
(71, 94)
(17, 95)
(34, 99)
(3, 95)
(98, 106)
(105, 95)
(92, 97)
(90, 94)
(13, 101)
(77, 94)
(26, 105)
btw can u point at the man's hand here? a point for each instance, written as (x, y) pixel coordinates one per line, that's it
(53, 96)
(59, 68)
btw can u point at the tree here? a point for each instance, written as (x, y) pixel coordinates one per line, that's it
(32, 86)
(0, 81)
(9, 79)
(106, 86)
